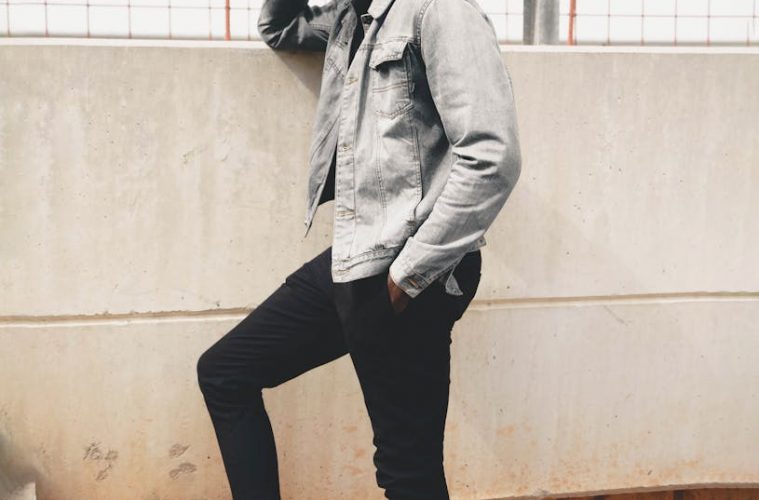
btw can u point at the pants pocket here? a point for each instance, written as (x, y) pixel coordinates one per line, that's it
(468, 279)
(386, 301)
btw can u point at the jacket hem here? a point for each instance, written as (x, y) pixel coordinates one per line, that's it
(374, 262)
(364, 265)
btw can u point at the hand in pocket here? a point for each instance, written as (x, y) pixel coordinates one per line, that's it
(397, 298)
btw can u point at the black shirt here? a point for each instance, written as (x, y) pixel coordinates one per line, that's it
(358, 34)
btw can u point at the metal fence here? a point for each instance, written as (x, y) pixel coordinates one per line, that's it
(591, 22)
(661, 22)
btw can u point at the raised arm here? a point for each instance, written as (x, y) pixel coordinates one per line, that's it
(293, 24)
(472, 92)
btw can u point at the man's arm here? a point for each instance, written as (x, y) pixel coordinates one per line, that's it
(293, 24)
(472, 92)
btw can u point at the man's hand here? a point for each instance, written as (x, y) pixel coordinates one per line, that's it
(398, 298)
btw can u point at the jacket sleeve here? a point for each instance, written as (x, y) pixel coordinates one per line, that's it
(293, 24)
(472, 92)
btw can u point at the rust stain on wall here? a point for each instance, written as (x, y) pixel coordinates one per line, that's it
(507, 430)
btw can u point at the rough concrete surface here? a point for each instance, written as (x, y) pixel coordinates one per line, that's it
(152, 193)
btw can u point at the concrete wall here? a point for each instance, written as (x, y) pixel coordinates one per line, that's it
(148, 192)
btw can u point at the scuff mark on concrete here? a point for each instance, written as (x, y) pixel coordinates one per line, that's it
(93, 453)
(191, 153)
(614, 315)
(184, 468)
(177, 450)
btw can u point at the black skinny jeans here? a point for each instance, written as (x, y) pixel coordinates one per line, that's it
(402, 361)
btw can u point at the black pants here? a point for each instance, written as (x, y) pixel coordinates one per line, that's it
(402, 361)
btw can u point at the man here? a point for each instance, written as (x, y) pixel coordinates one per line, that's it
(415, 139)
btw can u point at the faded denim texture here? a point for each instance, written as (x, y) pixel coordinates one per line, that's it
(424, 126)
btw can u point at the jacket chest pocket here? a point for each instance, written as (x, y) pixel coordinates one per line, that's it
(391, 85)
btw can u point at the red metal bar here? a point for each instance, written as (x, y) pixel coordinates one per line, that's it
(226, 6)
(572, 14)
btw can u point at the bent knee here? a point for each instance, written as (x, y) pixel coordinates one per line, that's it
(220, 373)
(205, 366)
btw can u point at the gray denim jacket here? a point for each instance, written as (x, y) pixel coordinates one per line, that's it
(425, 127)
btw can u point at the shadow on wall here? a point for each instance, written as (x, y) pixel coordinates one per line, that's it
(17, 475)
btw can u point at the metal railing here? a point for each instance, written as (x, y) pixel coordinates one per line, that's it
(588, 22)
(662, 22)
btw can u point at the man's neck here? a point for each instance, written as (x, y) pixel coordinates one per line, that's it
(361, 6)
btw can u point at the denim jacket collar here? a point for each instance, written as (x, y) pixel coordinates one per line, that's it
(378, 7)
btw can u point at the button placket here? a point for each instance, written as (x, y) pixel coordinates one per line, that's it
(346, 216)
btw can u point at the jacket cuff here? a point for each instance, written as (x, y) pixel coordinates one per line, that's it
(403, 274)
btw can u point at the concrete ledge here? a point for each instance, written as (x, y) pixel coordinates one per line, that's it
(257, 44)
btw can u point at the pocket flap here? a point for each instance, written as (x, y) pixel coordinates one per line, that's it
(387, 51)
